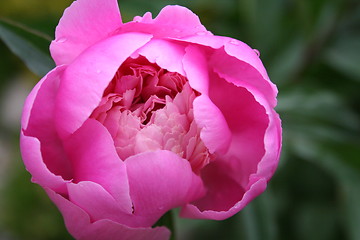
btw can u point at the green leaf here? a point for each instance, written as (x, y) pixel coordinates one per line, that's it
(37, 61)
(258, 218)
(282, 72)
(314, 132)
(320, 110)
(348, 180)
(344, 55)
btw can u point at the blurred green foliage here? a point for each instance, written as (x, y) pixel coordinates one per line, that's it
(311, 49)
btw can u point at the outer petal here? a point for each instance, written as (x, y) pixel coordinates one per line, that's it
(256, 135)
(179, 18)
(245, 72)
(160, 181)
(215, 132)
(236, 59)
(164, 53)
(87, 77)
(256, 188)
(31, 154)
(248, 122)
(97, 202)
(29, 102)
(272, 130)
(172, 21)
(196, 67)
(39, 134)
(272, 141)
(223, 191)
(105, 229)
(94, 158)
(83, 24)
(79, 225)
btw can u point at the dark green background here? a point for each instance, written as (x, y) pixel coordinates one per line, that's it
(311, 49)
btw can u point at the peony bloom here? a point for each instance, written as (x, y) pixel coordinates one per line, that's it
(141, 117)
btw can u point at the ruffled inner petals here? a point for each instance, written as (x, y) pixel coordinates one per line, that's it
(147, 108)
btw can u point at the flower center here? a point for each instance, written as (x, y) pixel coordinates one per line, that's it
(147, 108)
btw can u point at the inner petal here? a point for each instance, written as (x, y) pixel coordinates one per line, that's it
(147, 108)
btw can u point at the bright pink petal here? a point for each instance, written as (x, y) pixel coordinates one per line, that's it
(247, 120)
(29, 102)
(83, 24)
(223, 192)
(272, 130)
(196, 68)
(250, 121)
(215, 132)
(160, 181)
(236, 59)
(38, 121)
(272, 141)
(171, 22)
(244, 53)
(256, 188)
(106, 229)
(242, 73)
(234, 48)
(94, 158)
(81, 227)
(179, 18)
(31, 154)
(85, 80)
(166, 54)
(97, 202)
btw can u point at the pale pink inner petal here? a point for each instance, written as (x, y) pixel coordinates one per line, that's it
(148, 108)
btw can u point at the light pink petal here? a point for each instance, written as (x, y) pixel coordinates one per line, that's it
(85, 80)
(166, 54)
(83, 24)
(94, 158)
(38, 121)
(215, 132)
(172, 22)
(81, 227)
(31, 155)
(160, 181)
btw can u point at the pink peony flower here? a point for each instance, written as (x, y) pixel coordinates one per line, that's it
(142, 117)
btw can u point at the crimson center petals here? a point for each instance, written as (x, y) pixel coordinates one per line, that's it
(147, 108)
